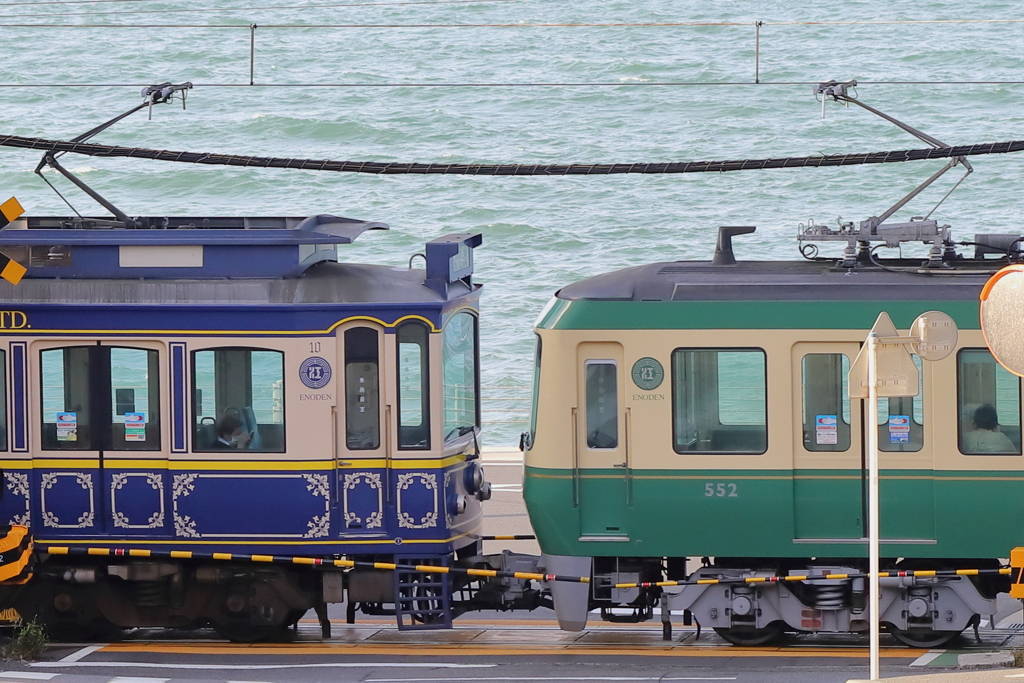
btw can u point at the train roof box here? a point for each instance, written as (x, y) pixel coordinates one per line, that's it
(187, 247)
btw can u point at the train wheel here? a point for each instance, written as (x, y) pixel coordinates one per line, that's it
(752, 637)
(927, 639)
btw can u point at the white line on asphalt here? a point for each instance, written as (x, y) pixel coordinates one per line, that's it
(81, 654)
(926, 658)
(133, 679)
(33, 675)
(264, 667)
(558, 678)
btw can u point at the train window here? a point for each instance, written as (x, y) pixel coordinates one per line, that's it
(86, 388)
(602, 404)
(3, 400)
(238, 400)
(134, 400)
(536, 393)
(719, 401)
(901, 420)
(66, 415)
(459, 369)
(826, 414)
(988, 399)
(362, 389)
(413, 387)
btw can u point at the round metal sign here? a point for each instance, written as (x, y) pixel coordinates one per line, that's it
(1002, 302)
(648, 373)
(938, 335)
(315, 372)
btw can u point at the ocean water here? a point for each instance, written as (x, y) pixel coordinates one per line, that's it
(539, 233)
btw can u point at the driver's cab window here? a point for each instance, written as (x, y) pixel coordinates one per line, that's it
(238, 400)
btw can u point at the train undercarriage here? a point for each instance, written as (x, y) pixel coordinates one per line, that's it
(918, 611)
(245, 601)
(94, 597)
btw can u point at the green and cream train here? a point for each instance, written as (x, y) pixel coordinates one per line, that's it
(700, 410)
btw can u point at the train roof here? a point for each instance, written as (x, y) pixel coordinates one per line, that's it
(323, 283)
(221, 260)
(780, 281)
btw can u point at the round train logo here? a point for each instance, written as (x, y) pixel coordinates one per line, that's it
(315, 372)
(648, 373)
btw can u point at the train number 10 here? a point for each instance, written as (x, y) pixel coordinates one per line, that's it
(720, 490)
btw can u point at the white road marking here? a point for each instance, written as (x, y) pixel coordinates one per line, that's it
(132, 679)
(926, 658)
(265, 667)
(33, 675)
(559, 678)
(84, 652)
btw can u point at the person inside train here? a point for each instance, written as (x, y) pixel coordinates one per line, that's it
(231, 433)
(985, 436)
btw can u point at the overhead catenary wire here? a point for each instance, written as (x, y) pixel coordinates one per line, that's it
(394, 168)
(238, 9)
(596, 84)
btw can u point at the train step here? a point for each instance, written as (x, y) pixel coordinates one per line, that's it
(422, 601)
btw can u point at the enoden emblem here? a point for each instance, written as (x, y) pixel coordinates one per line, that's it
(315, 372)
(648, 373)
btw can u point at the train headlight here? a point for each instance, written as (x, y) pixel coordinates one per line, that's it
(474, 477)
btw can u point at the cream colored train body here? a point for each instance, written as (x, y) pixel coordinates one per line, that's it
(688, 410)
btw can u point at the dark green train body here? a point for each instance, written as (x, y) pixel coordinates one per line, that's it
(693, 410)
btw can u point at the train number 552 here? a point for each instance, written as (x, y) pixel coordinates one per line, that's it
(720, 490)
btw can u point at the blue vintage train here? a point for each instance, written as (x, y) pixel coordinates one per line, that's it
(227, 384)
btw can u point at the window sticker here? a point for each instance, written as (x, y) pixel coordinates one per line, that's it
(135, 427)
(899, 429)
(826, 429)
(67, 427)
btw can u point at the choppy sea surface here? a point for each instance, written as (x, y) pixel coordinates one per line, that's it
(337, 92)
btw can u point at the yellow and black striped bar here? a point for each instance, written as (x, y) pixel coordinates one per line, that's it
(515, 537)
(10, 270)
(493, 573)
(308, 561)
(918, 574)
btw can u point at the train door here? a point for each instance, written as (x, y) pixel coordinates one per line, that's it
(828, 466)
(97, 413)
(906, 467)
(361, 433)
(601, 465)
